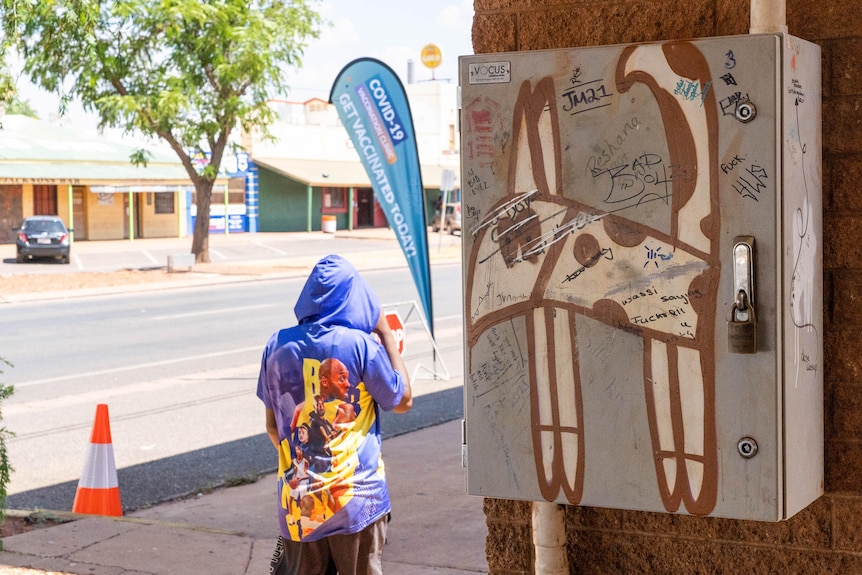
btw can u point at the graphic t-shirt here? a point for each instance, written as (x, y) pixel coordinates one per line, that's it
(324, 380)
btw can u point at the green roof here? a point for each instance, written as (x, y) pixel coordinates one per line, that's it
(34, 151)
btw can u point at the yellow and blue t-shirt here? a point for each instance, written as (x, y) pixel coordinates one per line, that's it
(325, 379)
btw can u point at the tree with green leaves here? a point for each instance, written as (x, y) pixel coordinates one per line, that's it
(21, 108)
(8, 89)
(10, 102)
(187, 71)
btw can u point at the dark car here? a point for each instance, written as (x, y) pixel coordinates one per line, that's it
(42, 237)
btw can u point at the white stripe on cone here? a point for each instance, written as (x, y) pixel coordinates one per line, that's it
(100, 471)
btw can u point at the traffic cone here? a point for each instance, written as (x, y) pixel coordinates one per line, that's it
(98, 490)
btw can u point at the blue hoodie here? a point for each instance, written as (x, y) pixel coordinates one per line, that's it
(324, 379)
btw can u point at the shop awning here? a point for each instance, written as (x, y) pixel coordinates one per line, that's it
(87, 173)
(326, 173)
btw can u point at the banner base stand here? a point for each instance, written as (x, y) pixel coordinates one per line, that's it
(422, 371)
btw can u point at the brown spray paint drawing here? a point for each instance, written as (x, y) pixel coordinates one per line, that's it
(565, 260)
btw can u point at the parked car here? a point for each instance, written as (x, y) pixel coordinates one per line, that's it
(42, 237)
(452, 223)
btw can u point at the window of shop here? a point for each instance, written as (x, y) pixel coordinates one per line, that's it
(334, 200)
(233, 197)
(164, 202)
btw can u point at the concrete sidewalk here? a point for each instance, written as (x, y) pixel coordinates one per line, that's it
(436, 527)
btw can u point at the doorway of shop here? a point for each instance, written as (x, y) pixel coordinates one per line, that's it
(364, 208)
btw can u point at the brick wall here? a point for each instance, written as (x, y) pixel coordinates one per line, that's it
(827, 536)
(105, 216)
(155, 225)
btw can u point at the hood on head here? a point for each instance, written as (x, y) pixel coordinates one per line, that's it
(335, 294)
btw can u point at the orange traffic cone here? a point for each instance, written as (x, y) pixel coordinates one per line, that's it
(98, 490)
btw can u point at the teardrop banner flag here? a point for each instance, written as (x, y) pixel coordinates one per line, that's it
(373, 107)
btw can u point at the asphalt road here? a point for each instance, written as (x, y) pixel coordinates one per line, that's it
(178, 369)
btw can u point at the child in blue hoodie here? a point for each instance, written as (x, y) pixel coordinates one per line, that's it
(322, 383)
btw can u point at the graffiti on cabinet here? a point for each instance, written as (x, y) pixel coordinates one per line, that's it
(543, 259)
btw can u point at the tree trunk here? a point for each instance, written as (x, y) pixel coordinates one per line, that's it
(201, 238)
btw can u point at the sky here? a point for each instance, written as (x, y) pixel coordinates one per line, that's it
(393, 31)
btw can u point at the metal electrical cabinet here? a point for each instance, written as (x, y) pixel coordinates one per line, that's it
(642, 262)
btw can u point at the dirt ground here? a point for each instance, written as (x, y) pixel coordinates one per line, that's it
(38, 283)
(22, 523)
(70, 281)
(14, 526)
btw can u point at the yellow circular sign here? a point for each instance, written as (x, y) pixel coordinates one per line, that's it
(431, 56)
